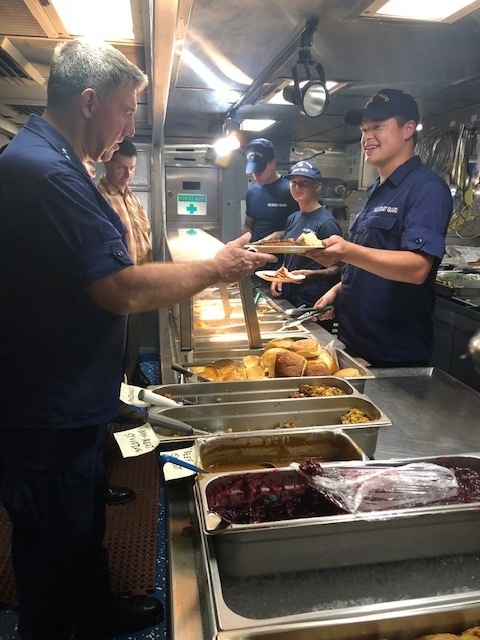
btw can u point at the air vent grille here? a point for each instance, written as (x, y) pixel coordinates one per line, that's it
(10, 69)
(26, 110)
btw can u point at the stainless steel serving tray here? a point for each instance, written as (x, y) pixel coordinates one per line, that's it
(228, 453)
(305, 415)
(244, 390)
(202, 358)
(245, 550)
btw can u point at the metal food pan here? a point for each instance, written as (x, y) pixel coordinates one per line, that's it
(223, 453)
(245, 390)
(292, 414)
(202, 358)
(339, 540)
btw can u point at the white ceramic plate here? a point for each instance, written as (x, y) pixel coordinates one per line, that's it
(269, 276)
(278, 248)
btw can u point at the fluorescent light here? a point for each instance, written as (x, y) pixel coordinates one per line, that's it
(105, 19)
(423, 10)
(255, 125)
(223, 90)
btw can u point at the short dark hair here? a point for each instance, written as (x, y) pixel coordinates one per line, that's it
(127, 149)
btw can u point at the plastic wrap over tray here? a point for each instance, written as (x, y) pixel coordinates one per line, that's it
(334, 539)
(228, 453)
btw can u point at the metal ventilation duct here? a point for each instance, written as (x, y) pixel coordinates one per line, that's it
(15, 66)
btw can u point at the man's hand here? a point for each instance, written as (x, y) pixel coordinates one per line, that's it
(334, 251)
(235, 263)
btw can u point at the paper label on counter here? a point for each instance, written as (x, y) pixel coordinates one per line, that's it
(129, 395)
(174, 471)
(137, 441)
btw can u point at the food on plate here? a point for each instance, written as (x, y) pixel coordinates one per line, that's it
(354, 416)
(283, 242)
(309, 240)
(315, 391)
(284, 343)
(307, 347)
(439, 636)
(289, 364)
(348, 372)
(473, 632)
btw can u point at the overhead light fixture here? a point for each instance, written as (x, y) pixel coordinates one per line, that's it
(311, 96)
(447, 11)
(112, 18)
(230, 140)
(332, 85)
(249, 124)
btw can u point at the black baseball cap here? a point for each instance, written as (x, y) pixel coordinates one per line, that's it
(259, 152)
(385, 104)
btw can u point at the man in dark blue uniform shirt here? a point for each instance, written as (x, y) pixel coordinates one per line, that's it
(386, 296)
(67, 284)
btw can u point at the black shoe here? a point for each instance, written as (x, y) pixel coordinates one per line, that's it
(119, 495)
(121, 615)
(139, 379)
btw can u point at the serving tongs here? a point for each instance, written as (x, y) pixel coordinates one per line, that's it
(303, 317)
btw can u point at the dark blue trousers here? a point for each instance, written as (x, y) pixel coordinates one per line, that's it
(53, 488)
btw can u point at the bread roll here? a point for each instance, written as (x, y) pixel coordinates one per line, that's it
(267, 360)
(349, 372)
(209, 372)
(308, 347)
(284, 343)
(316, 368)
(289, 365)
(473, 632)
(328, 359)
(256, 373)
(251, 361)
(232, 372)
(309, 240)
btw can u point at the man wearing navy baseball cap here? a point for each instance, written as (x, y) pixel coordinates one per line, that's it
(386, 296)
(268, 201)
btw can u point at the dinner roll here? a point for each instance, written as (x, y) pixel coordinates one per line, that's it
(289, 365)
(232, 372)
(256, 373)
(251, 361)
(308, 347)
(328, 359)
(316, 368)
(267, 360)
(349, 372)
(284, 343)
(209, 372)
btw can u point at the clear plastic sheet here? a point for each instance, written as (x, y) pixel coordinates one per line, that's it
(369, 488)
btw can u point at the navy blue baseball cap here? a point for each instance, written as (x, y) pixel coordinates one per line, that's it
(305, 169)
(385, 104)
(259, 152)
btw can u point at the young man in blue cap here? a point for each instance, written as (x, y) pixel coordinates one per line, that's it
(269, 202)
(386, 296)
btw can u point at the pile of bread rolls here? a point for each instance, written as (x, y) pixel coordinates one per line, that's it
(281, 358)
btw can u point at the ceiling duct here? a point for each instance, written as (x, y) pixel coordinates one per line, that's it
(44, 13)
(15, 66)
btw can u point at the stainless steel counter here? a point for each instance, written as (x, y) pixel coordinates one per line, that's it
(432, 414)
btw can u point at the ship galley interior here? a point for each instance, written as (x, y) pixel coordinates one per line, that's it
(288, 484)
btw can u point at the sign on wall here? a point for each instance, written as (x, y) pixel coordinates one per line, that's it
(191, 205)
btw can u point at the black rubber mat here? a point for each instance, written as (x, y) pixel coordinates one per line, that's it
(131, 536)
